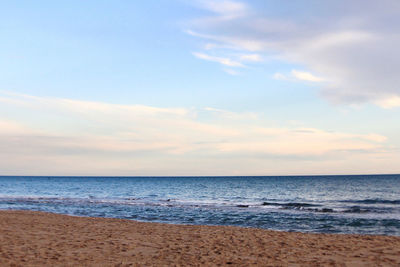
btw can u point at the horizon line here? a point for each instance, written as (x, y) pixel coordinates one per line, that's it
(199, 176)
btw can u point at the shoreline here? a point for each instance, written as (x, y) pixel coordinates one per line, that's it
(39, 238)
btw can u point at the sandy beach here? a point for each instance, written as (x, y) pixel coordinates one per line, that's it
(36, 239)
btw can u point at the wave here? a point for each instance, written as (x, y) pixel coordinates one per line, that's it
(358, 209)
(319, 208)
(300, 206)
(367, 209)
(373, 201)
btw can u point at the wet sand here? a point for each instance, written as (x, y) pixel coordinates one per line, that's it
(37, 239)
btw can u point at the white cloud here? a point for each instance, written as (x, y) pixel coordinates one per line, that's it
(11, 127)
(221, 60)
(389, 102)
(67, 136)
(354, 49)
(305, 76)
(303, 141)
(251, 58)
(225, 8)
(296, 75)
(228, 115)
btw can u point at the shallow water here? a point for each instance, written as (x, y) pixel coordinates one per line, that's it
(329, 204)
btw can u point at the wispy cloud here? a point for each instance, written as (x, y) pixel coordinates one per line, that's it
(225, 8)
(251, 57)
(11, 127)
(389, 102)
(221, 60)
(232, 116)
(306, 76)
(296, 75)
(125, 139)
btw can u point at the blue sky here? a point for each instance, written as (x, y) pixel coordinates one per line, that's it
(199, 87)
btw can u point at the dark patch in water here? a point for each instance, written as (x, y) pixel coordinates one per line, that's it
(356, 209)
(290, 204)
(373, 201)
(299, 206)
(324, 210)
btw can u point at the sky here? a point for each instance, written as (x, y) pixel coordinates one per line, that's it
(175, 87)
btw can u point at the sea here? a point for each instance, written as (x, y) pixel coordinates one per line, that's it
(357, 204)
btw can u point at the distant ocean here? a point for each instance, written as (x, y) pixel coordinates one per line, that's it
(362, 204)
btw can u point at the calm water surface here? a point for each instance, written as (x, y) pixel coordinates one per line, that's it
(328, 204)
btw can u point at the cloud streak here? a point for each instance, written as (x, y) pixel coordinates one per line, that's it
(225, 8)
(296, 75)
(221, 60)
(306, 76)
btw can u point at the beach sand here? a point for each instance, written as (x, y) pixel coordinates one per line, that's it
(43, 239)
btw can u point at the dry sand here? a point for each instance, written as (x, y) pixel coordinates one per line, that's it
(42, 239)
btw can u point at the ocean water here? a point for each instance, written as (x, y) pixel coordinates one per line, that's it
(322, 204)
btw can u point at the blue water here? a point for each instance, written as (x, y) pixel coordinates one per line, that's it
(320, 204)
